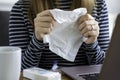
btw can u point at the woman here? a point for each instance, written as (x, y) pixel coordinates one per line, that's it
(30, 20)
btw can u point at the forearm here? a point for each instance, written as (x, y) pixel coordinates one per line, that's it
(31, 56)
(31, 48)
(94, 53)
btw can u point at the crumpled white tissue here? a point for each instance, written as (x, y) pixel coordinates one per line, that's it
(65, 38)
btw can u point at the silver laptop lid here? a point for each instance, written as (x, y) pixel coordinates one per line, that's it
(76, 71)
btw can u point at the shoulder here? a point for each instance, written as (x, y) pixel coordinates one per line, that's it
(100, 9)
(21, 4)
(100, 4)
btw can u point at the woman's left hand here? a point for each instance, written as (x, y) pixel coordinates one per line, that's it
(88, 28)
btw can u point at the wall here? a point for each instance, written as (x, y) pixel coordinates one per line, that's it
(5, 5)
(113, 9)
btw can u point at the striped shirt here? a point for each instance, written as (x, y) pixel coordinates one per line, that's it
(36, 53)
(63, 4)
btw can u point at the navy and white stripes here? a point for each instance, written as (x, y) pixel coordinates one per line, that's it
(36, 53)
(63, 4)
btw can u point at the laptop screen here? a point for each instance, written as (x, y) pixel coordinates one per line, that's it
(111, 65)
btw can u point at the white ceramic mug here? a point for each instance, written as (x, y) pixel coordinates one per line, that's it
(10, 63)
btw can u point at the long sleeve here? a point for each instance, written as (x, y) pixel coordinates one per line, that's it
(21, 35)
(96, 52)
(36, 53)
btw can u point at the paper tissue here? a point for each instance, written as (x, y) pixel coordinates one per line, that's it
(41, 74)
(65, 38)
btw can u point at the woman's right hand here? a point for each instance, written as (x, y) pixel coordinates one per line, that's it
(43, 24)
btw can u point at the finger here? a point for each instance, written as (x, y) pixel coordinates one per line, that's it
(90, 38)
(89, 33)
(43, 19)
(88, 24)
(84, 30)
(43, 24)
(40, 32)
(44, 13)
(43, 30)
(42, 35)
(39, 36)
(85, 26)
(84, 18)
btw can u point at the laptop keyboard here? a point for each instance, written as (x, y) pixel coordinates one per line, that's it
(90, 76)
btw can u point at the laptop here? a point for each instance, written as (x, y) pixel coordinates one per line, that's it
(110, 70)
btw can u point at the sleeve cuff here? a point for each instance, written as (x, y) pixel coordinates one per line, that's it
(37, 43)
(90, 46)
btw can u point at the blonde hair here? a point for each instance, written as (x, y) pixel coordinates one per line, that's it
(40, 5)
